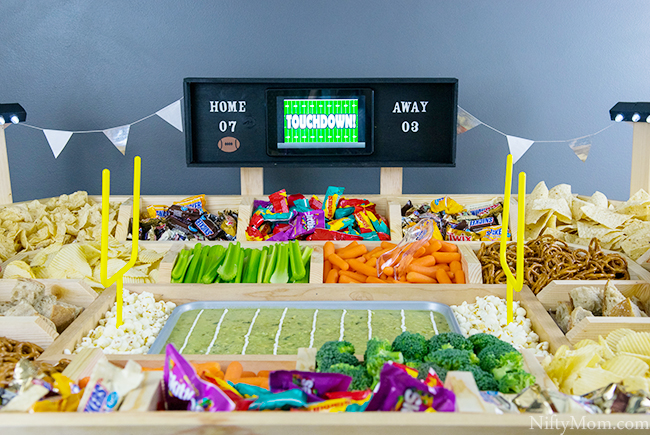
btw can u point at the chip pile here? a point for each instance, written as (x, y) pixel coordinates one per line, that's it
(557, 212)
(623, 358)
(82, 261)
(61, 220)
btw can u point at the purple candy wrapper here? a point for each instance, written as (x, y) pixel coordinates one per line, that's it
(184, 390)
(303, 224)
(261, 203)
(315, 385)
(399, 391)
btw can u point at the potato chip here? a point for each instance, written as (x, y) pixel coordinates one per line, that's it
(644, 358)
(590, 379)
(69, 260)
(149, 256)
(624, 366)
(607, 351)
(615, 336)
(17, 269)
(639, 343)
(585, 342)
(633, 384)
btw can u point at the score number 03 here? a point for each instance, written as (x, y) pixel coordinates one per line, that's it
(412, 126)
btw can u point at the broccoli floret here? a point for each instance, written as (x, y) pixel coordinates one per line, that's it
(335, 352)
(455, 340)
(482, 340)
(413, 346)
(484, 380)
(499, 359)
(361, 380)
(374, 345)
(414, 364)
(423, 371)
(452, 359)
(514, 382)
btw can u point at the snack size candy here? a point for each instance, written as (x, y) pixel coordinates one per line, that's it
(315, 203)
(461, 235)
(279, 201)
(447, 205)
(477, 224)
(184, 212)
(183, 389)
(331, 201)
(197, 202)
(343, 401)
(157, 211)
(323, 234)
(108, 385)
(314, 385)
(492, 233)
(399, 391)
(288, 399)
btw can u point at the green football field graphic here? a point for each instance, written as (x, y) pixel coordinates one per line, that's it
(323, 120)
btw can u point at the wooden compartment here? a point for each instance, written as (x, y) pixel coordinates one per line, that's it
(395, 204)
(246, 210)
(33, 328)
(454, 294)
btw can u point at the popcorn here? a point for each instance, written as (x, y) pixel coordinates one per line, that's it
(142, 317)
(489, 315)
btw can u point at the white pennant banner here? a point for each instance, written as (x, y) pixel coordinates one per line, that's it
(57, 139)
(172, 114)
(581, 147)
(518, 147)
(465, 121)
(119, 136)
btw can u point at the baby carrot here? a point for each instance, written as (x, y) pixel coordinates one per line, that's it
(327, 266)
(210, 367)
(248, 374)
(442, 277)
(459, 277)
(361, 259)
(352, 251)
(263, 373)
(234, 371)
(391, 280)
(429, 271)
(448, 247)
(427, 260)
(328, 249)
(434, 246)
(343, 279)
(332, 277)
(455, 265)
(374, 251)
(379, 253)
(419, 278)
(389, 271)
(362, 268)
(387, 245)
(450, 274)
(375, 280)
(446, 257)
(420, 252)
(339, 262)
(356, 276)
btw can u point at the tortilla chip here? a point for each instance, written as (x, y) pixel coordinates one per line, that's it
(604, 216)
(598, 199)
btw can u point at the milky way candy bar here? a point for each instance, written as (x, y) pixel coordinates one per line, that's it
(184, 212)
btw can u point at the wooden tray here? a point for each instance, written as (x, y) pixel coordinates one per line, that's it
(395, 204)
(33, 328)
(454, 294)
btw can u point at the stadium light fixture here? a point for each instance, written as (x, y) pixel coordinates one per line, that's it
(13, 113)
(632, 112)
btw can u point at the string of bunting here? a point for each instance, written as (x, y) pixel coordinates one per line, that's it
(518, 145)
(58, 139)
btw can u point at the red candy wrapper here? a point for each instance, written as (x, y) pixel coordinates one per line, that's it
(322, 234)
(279, 201)
(314, 385)
(183, 389)
(365, 225)
(315, 203)
(292, 198)
(399, 391)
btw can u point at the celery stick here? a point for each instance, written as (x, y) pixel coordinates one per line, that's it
(216, 256)
(240, 264)
(297, 268)
(228, 270)
(180, 267)
(304, 279)
(306, 255)
(262, 268)
(194, 266)
(270, 267)
(281, 272)
(253, 266)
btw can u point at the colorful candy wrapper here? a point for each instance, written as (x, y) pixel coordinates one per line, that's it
(447, 205)
(314, 385)
(315, 203)
(343, 403)
(371, 237)
(157, 211)
(270, 216)
(399, 391)
(477, 224)
(250, 391)
(70, 395)
(378, 224)
(332, 196)
(363, 221)
(323, 234)
(183, 389)
(340, 224)
(307, 222)
(342, 212)
(291, 199)
(197, 202)
(279, 201)
(491, 234)
(288, 399)
(108, 385)
(461, 235)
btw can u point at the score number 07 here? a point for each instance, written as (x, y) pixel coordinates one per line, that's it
(223, 126)
(412, 126)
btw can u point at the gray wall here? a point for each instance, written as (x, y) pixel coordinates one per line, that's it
(542, 70)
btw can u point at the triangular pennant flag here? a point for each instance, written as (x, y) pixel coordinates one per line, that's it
(581, 147)
(172, 114)
(119, 136)
(57, 139)
(465, 121)
(518, 146)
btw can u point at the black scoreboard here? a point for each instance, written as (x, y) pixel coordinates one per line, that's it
(320, 122)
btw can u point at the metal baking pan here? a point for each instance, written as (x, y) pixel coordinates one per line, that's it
(159, 344)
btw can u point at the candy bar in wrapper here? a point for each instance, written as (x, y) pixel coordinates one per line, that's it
(491, 234)
(108, 385)
(307, 222)
(331, 201)
(455, 235)
(342, 212)
(157, 211)
(363, 221)
(340, 224)
(613, 399)
(399, 391)
(183, 389)
(279, 201)
(315, 203)
(447, 205)
(500, 401)
(477, 224)
(291, 199)
(314, 385)
(197, 202)
(289, 399)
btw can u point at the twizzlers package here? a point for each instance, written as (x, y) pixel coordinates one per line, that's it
(184, 390)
